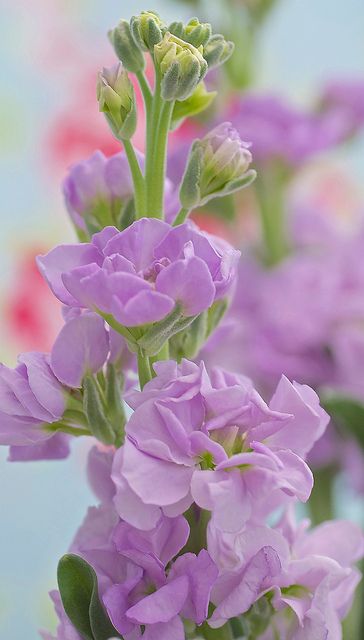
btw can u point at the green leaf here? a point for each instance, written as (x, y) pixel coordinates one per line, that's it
(77, 583)
(347, 412)
(199, 101)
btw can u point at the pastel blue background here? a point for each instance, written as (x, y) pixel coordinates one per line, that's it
(41, 504)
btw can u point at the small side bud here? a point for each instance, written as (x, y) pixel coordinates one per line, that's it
(126, 48)
(217, 50)
(194, 32)
(182, 66)
(217, 166)
(147, 29)
(116, 97)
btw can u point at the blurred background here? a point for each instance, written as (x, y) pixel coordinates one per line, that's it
(51, 52)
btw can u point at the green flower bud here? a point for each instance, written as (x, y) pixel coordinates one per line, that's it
(217, 50)
(116, 97)
(194, 31)
(217, 166)
(182, 67)
(126, 48)
(147, 29)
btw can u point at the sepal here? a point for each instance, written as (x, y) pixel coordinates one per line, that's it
(95, 408)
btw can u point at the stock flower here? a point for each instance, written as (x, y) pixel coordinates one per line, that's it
(140, 274)
(214, 441)
(97, 189)
(345, 98)
(308, 577)
(131, 568)
(31, 399)
(41, 396)
(279, 131)
(316, 587)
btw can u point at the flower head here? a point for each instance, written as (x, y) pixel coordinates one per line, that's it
(138, 276)
(215, 442)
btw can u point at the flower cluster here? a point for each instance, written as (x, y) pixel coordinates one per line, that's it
(195, 528)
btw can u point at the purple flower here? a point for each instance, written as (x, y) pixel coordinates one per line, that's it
(214, 441)
(31, 399)
(321, 563)
(345, 98)
(96, 189)
(279, 131)
(139, 275)
(309, 574)
(36, 396)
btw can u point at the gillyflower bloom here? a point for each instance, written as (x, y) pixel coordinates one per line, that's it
(97, 190)
(145, 591)
(139, 275)
(304, 579)
(214, 442)
(40, 399)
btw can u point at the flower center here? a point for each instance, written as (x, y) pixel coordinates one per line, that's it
(151, 272)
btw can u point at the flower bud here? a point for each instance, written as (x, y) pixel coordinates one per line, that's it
(217, 166)
(194, 32)
(126, 48)
(116, 97)
(182, 67)
(147, 29)
(217, 50)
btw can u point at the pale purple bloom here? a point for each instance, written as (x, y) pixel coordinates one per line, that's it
(31, 398)
(345, 98)
(310, 573)
(138, 275)
(214, 441)
(280, 131)
(322, 564)
(96, 188)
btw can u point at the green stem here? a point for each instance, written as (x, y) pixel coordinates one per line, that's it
(144, 370)
(145, 89)
(138, 179)
(181, 216)
(153, 117)
(156, 184)
(270, 191)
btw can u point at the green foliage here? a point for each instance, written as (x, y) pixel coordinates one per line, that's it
(77, 582)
